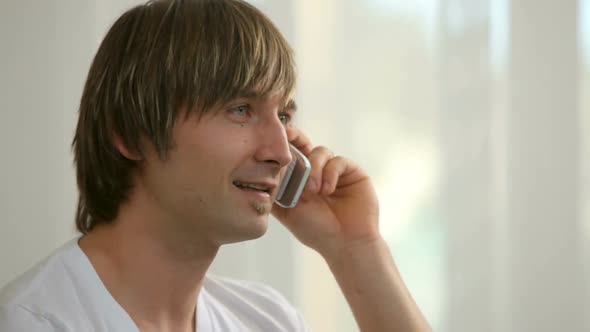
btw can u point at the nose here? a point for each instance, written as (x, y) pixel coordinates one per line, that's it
(274, 144)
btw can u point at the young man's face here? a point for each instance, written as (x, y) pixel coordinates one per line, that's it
(221, 176)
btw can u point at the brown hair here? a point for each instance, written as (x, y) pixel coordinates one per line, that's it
(155, 59)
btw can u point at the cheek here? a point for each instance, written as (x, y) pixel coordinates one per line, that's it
(212, 164)
(215, 151)
(190, 184)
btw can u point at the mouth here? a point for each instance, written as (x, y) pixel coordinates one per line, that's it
(260, 187)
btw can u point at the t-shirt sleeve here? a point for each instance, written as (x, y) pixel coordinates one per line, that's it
(18, 319)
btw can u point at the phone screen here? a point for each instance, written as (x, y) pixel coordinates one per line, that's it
(294, 180)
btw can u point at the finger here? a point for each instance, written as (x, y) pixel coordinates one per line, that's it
(318, 158)
(333, 174)
(299, 140)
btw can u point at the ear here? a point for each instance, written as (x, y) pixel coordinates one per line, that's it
(120, 146)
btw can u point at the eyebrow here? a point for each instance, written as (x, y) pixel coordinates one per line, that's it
(290, 106)
(249, 94)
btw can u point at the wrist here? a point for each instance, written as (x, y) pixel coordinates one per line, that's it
(356, 252)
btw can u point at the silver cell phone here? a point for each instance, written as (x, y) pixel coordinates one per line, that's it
(294, 180)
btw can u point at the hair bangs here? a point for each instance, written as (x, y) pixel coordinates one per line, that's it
(249, 56)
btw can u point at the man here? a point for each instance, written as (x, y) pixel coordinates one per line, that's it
(183, 134)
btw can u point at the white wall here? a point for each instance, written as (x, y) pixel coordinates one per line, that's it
(471, 116)
(45, 53)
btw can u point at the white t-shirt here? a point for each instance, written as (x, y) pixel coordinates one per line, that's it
(64, 293)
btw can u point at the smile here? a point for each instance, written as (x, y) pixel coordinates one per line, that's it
(253, 186)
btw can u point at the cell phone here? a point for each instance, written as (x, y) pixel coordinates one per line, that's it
(294, 180)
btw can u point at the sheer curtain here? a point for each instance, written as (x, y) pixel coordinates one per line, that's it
(471, 117)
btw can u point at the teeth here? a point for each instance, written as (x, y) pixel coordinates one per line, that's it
(251, 186)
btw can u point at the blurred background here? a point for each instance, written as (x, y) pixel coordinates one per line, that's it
(471, 116)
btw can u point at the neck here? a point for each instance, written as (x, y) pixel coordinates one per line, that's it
(154, 277)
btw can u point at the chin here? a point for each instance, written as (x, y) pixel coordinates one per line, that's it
(247, 220)
(259, 227)
(247, 229)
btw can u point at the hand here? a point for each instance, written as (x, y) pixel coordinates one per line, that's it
(338, 208)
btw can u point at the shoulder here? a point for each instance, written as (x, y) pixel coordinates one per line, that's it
(39, 280)
(20, 318)
(24, 301)
(256, 302)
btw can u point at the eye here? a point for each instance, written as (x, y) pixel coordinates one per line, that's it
(285, 118)
(240, 112)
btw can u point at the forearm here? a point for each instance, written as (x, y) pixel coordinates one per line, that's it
(374, 289)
